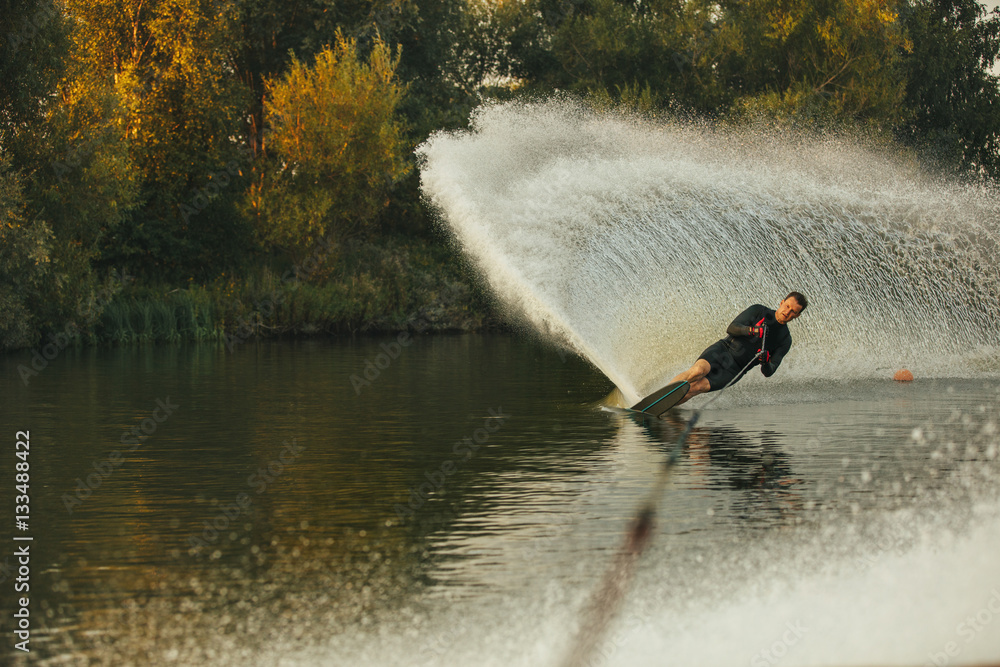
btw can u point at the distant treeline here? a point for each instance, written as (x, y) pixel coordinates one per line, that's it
(210, 147)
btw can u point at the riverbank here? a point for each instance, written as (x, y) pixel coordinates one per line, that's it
(398, 284)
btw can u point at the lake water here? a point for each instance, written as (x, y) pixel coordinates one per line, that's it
(458, 504)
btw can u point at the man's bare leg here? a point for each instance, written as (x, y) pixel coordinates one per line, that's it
(697, 382)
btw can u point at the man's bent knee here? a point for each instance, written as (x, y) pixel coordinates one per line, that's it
(700, 369)
(696, 388)
(697, 372)
(700, 387)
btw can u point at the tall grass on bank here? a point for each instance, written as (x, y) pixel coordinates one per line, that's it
(369, 289)
(177, 316)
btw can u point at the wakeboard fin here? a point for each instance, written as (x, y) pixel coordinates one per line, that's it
(662, 400)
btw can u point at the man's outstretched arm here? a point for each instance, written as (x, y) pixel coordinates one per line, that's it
(745, 321)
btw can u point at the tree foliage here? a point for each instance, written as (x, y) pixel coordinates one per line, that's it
(32, 58)
(335, 145)
(166, 64)
(269, 30)
(180, 139)
(24, 263)
(775, 56)
(72, 183)
(840, 57)
(951, 90)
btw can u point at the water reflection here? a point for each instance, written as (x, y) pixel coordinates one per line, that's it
(520, 528)
(277, 507)
(755, 467)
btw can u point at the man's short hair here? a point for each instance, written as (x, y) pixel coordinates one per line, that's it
(798, 296)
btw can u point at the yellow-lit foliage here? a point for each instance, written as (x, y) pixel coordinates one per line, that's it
(335, 145)
(168, 64)
(839, 57)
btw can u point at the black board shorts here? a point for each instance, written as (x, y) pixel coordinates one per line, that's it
(723, 366)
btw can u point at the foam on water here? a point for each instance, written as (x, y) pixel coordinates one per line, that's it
(635, 243)
(937, 601)
(924, 595)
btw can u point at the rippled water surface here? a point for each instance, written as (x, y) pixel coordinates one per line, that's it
(455, 500)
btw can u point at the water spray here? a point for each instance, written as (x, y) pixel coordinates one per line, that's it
(615, 236)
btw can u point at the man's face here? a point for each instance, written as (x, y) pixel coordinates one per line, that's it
(788, 310)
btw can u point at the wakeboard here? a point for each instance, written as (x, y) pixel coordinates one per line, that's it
(662, 400)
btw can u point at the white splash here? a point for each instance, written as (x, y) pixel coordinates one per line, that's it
(635, 243)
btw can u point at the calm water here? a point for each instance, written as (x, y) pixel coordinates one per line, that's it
(458, 506)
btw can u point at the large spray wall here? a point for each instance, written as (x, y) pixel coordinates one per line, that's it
(635, 243)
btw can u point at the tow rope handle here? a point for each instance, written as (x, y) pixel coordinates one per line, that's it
(761, 351)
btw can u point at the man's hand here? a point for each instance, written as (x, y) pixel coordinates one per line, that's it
(757, 332)
(764, 356)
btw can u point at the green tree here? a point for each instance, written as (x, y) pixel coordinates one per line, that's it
(168, 64)
(335, 146)
(69, 185)
(666, 51)
(83, 183)
(833, 58)
(821, 58)
(950, 88)
(270, 32)
(32, 52)
(431, 36)
(24, 263)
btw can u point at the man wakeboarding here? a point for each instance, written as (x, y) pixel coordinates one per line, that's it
(722, 361)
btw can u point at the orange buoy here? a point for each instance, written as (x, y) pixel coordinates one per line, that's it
(903, 376)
